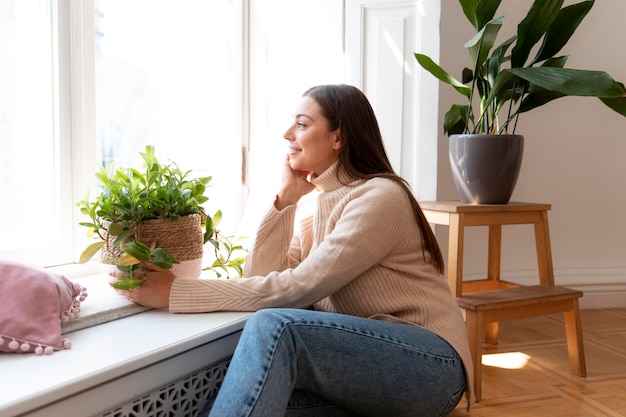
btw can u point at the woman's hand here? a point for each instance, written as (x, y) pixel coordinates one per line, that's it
(295, 184)
(155, 291)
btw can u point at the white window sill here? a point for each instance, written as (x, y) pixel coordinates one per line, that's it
(102, 304)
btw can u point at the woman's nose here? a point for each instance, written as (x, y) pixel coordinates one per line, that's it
(289, 134)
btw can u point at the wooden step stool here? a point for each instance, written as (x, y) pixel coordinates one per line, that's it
(488, 301)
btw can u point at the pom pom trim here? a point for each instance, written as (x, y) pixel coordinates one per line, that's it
(18, 345)
(73, 310)
(15, 344)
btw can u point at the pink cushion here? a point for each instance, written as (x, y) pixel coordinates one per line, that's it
(33, 303)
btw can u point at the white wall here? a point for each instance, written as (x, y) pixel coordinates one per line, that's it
(574, 159)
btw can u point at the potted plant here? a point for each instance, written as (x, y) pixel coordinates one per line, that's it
(506, 80)
(154, 216)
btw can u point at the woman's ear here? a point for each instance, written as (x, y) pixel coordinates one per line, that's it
(337, 142)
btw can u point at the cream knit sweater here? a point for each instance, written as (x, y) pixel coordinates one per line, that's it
(356, 250)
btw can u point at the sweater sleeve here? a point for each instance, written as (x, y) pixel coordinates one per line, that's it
(362, 228)
(270, 250)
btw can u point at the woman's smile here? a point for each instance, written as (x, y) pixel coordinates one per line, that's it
(291, 150)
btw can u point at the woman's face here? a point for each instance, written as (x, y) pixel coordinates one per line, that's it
(312, 147)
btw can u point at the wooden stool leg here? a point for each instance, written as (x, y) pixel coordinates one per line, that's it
(491, 333)
(475, 332)
(575, 347)
(493, 274)
(544, 251)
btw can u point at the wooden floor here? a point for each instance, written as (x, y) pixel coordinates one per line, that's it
(544, 387)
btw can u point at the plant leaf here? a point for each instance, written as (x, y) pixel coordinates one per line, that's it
(136, 250)
(572, 82)
(562, 28)
(618, 104)
(116, 228)
(480, 45)
(455, 119)
(126, 284)
(532, 28)
(122, 237)
(479, 12)
(538, 99)
(127, 260)
(90, 251)
(217, 218)
(429, 65)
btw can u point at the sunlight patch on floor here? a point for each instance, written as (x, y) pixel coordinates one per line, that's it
(509, 360)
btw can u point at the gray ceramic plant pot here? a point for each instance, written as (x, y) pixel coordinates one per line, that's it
(485, 167)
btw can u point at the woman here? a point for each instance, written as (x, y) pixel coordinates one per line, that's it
(352, 314)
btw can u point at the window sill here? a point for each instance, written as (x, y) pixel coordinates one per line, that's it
(102, 305)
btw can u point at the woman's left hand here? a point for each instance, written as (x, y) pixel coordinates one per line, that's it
(155, 291)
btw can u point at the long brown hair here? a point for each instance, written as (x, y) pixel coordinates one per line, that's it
(362, 153)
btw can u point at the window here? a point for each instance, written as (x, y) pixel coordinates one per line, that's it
(85, 83)
(31, 208)
(163, 77)
(91, 81)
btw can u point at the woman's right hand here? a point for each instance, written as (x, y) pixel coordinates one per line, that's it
(295, 184)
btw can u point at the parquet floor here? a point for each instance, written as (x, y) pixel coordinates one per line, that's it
(544, 387)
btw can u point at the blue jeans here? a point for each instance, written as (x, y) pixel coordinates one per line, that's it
(304, 363)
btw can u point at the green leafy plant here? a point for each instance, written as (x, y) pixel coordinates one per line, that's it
(129, 197)
(135, 254)
(525, 83)
(230, 254)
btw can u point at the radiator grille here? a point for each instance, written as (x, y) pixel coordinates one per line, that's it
(183, 398)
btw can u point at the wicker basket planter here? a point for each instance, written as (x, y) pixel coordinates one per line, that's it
(182, 238)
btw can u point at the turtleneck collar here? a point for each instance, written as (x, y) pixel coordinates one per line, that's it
(329, 180)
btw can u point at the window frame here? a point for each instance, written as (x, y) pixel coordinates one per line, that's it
(74, 107)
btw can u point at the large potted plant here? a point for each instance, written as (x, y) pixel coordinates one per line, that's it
(503, 81)
(154, 215)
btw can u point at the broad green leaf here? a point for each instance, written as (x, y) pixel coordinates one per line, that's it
(538, 99)
(455, 119)
(162, 259)
(480, 45)
(90, 251)
(557, 62)
(217, 218)
(126, 284)
(200, 199)
(618, 104)
(127, 260)
(148, 156)
(122, 237)
(572, 82)
(116, 229)
(502, 81)
(205, 180)
(497, 57)
(429, 65)
(479, 12)
(532, 28)
(562, 28)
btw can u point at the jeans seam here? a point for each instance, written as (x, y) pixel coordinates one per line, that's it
(266, 369)
(449, 359)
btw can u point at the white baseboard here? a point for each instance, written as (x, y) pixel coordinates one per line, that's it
(604, 287)
(602, 296)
